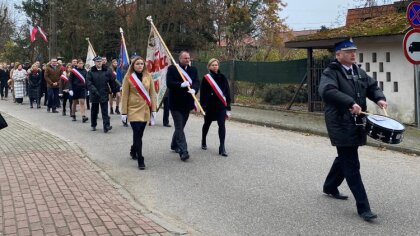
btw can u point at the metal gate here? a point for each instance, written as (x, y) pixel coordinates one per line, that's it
(315, 101)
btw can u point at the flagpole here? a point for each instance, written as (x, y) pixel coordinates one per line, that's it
(125, 45)
(90, 45)
(149, 18)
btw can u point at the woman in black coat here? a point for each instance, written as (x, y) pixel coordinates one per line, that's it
(215, 100)
(34, 86)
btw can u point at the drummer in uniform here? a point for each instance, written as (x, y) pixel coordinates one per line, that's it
(344, 88)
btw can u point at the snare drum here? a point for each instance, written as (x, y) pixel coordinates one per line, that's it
(384, 129)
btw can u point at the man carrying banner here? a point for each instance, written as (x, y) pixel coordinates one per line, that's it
(98, 79)
(181, 101)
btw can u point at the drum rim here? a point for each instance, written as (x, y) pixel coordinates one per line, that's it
(369, 120)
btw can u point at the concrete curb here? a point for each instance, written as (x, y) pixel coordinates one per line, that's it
(324, 134)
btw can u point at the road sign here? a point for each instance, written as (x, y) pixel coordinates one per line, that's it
(413, 14)
(411, 46)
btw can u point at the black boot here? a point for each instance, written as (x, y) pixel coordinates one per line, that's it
(222, 150)
(133, 153)
(111, 111)
(84, 119)
(74, 117)
(64, 113)
(203, 144)
(140, 160)
(117, 110)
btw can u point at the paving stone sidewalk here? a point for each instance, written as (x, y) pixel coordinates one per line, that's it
(48, 187)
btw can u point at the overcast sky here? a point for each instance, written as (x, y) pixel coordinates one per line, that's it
(307, 14)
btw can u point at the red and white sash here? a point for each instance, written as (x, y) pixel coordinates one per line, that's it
(216, 89)
(188, 78)
(78, 75)
(140, 88)
(64, 77)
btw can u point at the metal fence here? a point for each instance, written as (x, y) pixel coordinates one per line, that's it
(280, 72)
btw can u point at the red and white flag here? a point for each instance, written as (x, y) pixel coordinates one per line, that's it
(32, 33)
(43, 35)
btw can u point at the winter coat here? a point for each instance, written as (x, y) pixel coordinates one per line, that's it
(76, 85)
(3, 76)
(34, 84)
(209, 100)
(180, 99)
(98, 82)
(133, 104)
(19, 79)
(52, 75)
(339, 94)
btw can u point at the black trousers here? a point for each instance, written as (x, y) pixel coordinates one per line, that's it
(178, 138)
(166, 111)
(4, 88)
(138, 130)
(347, 166)
(220, 117)
(94, 114)
(66, 96)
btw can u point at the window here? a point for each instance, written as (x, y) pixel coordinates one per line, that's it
(367, 65)
(360, 57)
(388, 76)
(388, 57)
(381, 85)
(374, 57)
(375, 75)
(395, 86)
(381, 67)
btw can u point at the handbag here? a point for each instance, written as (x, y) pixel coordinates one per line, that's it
(3, 123)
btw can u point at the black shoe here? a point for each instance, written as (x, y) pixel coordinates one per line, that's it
(337, 195)
(112, 111)
(38, 106)
(93, 129)
(368, 215)
(167, 125)
(31, 106)
(64, 113)
(107, 128)
(74, 117)
(140, 162)
(184, 156)
(54, 111)
(117, 110)
(203, 144)
(222, 151)
(84, 119)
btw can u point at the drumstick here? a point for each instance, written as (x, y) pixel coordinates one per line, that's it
(386, 113)
(365, 113)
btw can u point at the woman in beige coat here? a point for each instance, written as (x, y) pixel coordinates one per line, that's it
(138, 104)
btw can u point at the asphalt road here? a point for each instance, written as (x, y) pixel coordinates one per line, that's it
(271, 183)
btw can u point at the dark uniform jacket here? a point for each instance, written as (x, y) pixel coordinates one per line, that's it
(339, 94)
(180, 99)
(208, 98)
(98, 82)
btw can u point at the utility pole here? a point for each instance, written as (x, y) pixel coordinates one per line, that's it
(52, 52)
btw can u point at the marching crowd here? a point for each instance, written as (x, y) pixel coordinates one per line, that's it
(72, 88)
